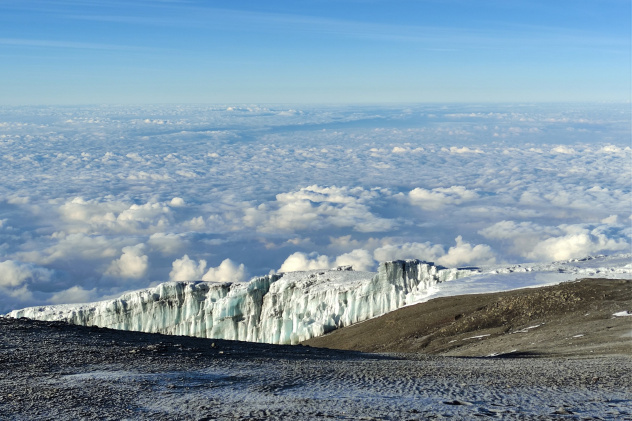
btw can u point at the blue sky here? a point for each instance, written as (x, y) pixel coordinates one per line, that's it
(318, 51)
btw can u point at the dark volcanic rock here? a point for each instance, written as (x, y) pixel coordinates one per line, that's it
(54, 371)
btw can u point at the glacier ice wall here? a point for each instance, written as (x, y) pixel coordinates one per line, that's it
(279, 309)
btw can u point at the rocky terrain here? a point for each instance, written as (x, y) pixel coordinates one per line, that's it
(53, 371)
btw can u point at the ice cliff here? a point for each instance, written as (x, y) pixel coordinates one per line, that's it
(279, 309)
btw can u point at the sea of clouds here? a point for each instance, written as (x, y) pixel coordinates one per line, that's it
(95, 201)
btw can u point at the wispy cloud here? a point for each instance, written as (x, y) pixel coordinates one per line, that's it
(485, 35)
(42, 43)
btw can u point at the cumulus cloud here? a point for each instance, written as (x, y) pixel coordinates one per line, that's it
(464, 253)
(195, 224)
(359, 259)
(167, 243)
(227, 271)
(75, 294)
(186, 269)
(546, 243)
(423, 251)
(462, 150)
(300, 261)
(132, 263)
(347, 243)
(17, 281)
(576, 244)
(523, 236)
(15, 274)
(90, 213)
(148, 217)
(614, 149)
(563, 149)
(344, 242)
(94, 216)
(316, 207)
(75, 247)
(177, 202)
(442, 196)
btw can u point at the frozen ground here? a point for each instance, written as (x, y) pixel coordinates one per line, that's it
(55, 371)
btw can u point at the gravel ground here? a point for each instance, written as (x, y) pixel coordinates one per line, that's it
(50, 370)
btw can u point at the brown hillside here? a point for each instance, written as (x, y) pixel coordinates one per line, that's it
(572, 318)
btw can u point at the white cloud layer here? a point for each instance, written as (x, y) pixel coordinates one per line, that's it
(98, 200)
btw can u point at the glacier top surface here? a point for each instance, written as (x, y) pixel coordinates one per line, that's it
(327, 278)
(491, 278)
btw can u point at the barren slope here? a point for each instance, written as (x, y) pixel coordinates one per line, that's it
(572, 318)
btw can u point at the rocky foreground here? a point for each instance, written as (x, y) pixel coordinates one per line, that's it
(53, 371)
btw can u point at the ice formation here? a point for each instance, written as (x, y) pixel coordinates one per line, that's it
(280, 309)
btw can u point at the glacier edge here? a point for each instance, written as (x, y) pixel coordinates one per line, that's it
(284, 308)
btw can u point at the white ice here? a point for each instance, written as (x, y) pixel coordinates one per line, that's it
(278, 309)
(292, 307)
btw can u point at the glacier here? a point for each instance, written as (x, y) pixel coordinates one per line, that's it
(284, 308)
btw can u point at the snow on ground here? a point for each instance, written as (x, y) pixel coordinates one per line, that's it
(504, 278)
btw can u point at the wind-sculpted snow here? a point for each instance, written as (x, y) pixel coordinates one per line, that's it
(280, 309)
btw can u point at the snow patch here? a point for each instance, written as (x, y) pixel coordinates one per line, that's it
(477, 337)
(527, 329)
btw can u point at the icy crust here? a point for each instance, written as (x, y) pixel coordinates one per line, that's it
(278, 309)
(619, 265)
